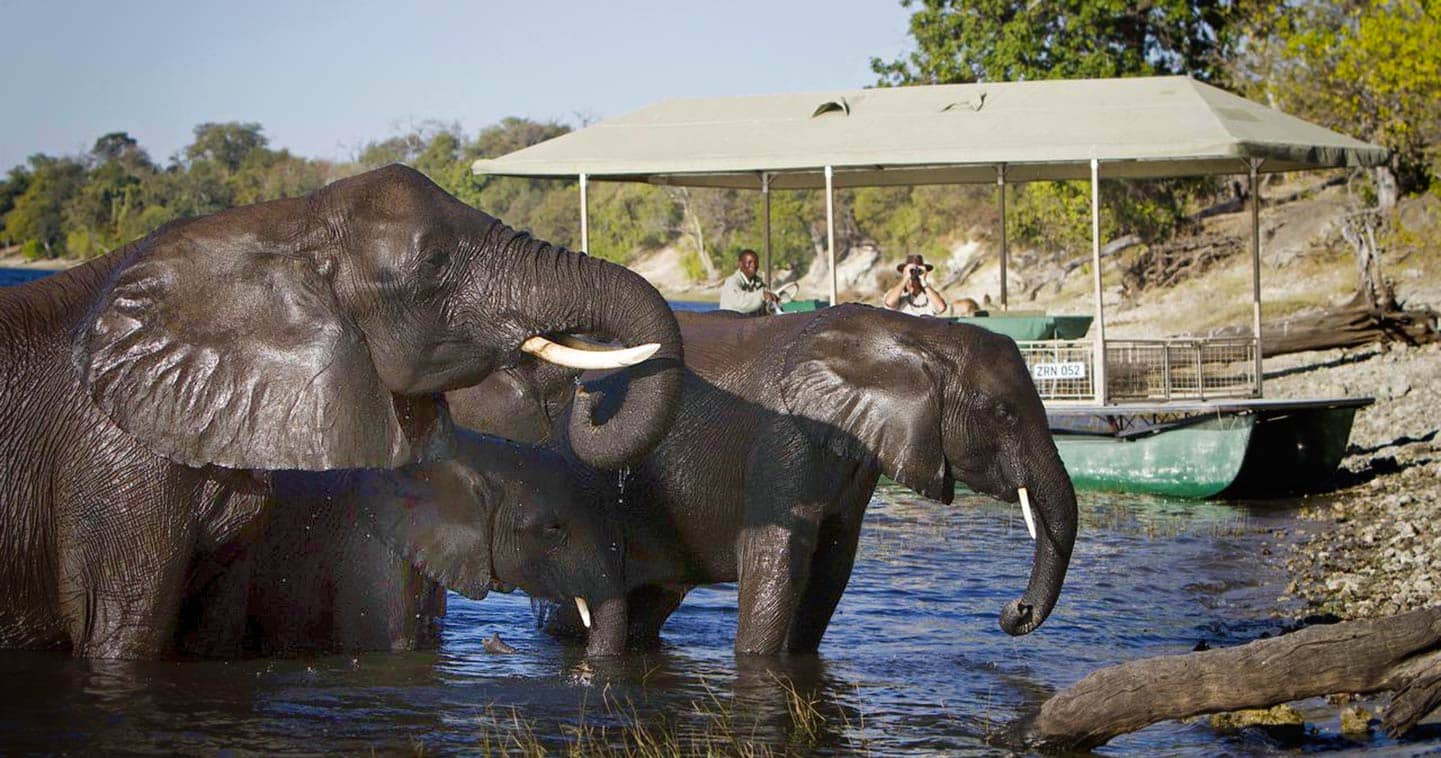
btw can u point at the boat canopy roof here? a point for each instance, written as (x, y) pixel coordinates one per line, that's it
(942, 134)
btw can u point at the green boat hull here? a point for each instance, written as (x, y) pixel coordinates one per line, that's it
(1259, 450)
(1197, 460)
(1294, 452)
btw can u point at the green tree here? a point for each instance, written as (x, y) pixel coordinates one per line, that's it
(545, 207)
(270, 175)
(626, 218)
(226, 145)
(1369, 68)
(12, 187)
(122, 149)
(37, 221)
(960, 41)
(792, 212)
(100, 216)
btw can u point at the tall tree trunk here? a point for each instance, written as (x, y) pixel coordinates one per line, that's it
(697, 232)
(1359, 231)
(1387, 187)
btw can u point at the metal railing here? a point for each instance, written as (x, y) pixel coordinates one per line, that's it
(1169, 369)
(1061, 369)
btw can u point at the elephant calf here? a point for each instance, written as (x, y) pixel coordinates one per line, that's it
(785, 425)
(359, 560)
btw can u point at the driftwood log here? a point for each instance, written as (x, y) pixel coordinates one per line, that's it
(1360, 321)
(1399, 653)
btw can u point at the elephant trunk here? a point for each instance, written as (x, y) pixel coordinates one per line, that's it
(609, 625)
(1054, 512)
(588, 296)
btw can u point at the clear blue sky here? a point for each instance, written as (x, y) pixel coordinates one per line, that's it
(325, 77)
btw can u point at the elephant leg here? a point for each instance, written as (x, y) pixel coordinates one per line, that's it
(775, 563)
(649, 608)
(124, 568)
(119, 600)
(831, 567)
(791, 487)
(213, 617)
(830, 571)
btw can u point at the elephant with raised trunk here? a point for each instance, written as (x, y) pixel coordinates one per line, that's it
(784, 427)
(146, 396)
(360, 559)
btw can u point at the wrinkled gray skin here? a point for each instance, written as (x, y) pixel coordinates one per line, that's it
(784, 426)
(360, 559)
(145, 396)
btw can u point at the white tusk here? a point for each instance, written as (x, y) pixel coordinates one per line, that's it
(579, 343)
(570, 357)
(584, 611)
(1026, 511)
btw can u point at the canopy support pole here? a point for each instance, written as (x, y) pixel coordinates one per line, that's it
(1001, 192)
(1098, 374)
(584, 219)
(1254, 166)
(831, 230)
(766, 197)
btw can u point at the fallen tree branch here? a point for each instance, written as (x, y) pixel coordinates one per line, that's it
(1360, 321)
(1168, 264)
(1400, 653)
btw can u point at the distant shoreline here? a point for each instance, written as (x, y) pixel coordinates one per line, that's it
(14, 260)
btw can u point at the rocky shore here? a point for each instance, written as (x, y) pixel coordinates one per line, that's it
(1373, 545)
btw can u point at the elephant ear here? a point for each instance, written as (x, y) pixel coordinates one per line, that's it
(438, 517)
(214, 344)
(865, 391)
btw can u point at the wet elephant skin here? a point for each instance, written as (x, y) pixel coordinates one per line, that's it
(784, 427)
(146, 396)
(360, 559)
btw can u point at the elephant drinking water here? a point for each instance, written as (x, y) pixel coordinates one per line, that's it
(784, 427)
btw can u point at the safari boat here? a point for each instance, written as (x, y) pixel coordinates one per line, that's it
(1173, 416)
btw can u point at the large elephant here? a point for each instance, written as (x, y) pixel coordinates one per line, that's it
(146, 396)
(785, 425)
(360, 559)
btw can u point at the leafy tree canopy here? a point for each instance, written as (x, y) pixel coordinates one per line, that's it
(227, 144)
(1369, 68)
(37, 217)
(961, 41)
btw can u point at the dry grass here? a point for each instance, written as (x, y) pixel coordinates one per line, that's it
(709, 727)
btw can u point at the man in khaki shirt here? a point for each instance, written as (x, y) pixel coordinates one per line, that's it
(743, 291)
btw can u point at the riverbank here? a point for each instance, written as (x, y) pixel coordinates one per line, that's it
(1374, 548)
(10, 257)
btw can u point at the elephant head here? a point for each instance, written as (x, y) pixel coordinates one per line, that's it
(502, 515)
(931, 402)
(307, 333)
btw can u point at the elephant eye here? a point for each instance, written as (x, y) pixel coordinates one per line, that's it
(435, 261)
(1004, 414)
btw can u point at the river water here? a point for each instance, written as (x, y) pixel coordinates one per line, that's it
(914, 659)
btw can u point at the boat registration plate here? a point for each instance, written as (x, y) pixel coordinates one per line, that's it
(1067, 370)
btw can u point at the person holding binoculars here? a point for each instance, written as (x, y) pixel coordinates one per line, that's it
(914, 294)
